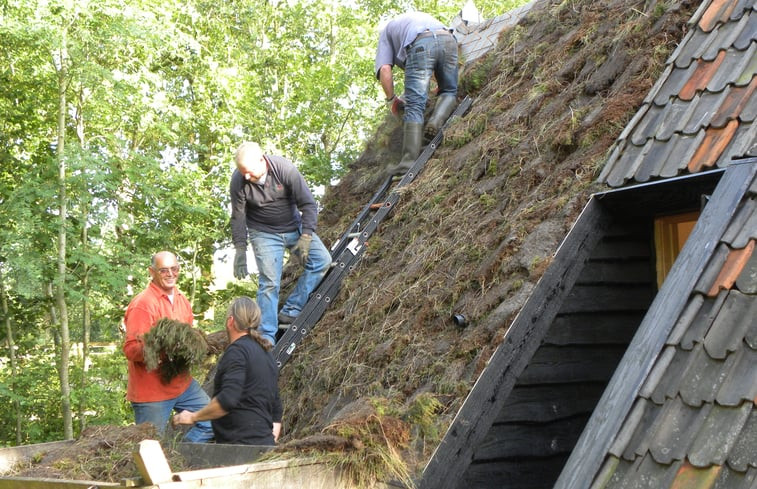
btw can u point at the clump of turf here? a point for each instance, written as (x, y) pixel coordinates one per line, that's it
(173, 347)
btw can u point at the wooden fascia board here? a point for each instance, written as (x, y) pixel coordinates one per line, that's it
(478, 412)
(617, 400)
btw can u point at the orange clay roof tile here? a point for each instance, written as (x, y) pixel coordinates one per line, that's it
(732, 268)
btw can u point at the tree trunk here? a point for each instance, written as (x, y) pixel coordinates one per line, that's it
(11, 356)
(60, 282)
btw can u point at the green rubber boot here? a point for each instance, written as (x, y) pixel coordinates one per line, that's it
(444, 107)
(411, 147)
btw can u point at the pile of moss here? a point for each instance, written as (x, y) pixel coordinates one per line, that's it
(173, 347)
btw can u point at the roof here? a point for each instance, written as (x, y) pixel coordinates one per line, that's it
(680, 408)
(477, 38)
(700, 114)
(693, 421)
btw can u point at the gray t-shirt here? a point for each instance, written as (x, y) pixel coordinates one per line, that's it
(398, 34)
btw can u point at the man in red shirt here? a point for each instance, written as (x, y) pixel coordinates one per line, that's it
(152, 400)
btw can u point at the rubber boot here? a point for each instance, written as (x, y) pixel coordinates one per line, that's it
(445, 104)
(412, 140)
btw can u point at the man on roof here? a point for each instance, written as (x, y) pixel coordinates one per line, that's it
(421, 46)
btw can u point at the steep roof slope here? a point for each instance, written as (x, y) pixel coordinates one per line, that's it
(475, 232)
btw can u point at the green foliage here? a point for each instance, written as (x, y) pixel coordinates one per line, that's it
(172, 347)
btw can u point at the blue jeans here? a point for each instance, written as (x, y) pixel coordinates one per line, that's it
(193, 399)
(432, 55)
(269, 256)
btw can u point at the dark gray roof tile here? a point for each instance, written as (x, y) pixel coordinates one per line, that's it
(741, 383)
(738, 313)
(674, 429)
(699, 42)
(737, 68)
(704, 377)
(703, 108)
(747, 281)
(673, 84)
(684, 147)
(626, 166)
(747, 34)
(651, 474)
(718, 435)
(658, 372)
(668, 385)
(701, 324)
(745, 138)
(648, 125)
(731, 479)
(743, 224)
(653, 161)
(712, 270)
(685, 319)
(743, 456)
(642, 411)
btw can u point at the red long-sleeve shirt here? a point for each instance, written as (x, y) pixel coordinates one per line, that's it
(144, 310)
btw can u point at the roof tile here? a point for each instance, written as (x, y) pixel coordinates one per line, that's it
(713, 145)
(734, 264)
(668, 385)
(712, 270)
(701, 77)
(674, 429)
(690, 477)
(747, 281)
(734, 102)
(719, 434)
(741, 384)
(701, 324)
(743, 456)
(742, 226)
(730, 479)
(684, 148)
(704, 377)
(718, 12)
(731, 325)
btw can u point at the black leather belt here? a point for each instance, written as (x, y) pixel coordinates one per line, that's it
(428, 33)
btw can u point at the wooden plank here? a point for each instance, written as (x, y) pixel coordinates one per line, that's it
(617, 400)
(544, 403)
(10, 456)
(512, 474)
(518, 440)
(151, 462)
(204, 455)
(32, 483)
(560, 364)
(601, 298)
(485, 401)
(639, 270)
(623, 248)
(606, 328)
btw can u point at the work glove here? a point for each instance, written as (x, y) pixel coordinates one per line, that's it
(396, 104)
(240, 263)
(301, 249)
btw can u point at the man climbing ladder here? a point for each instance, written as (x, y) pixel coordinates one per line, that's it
(421, 46)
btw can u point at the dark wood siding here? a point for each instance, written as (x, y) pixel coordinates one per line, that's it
(556, 393)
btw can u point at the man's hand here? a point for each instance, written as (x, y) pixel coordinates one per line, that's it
(396, 104)
(240, 263)
(301, 249)
(183, 417)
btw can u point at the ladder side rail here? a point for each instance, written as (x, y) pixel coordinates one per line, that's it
(314, 310)
(339, 246)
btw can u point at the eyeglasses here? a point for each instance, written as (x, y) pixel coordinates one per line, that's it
(167, 271)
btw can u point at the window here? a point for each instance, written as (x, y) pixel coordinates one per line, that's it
(670, 233)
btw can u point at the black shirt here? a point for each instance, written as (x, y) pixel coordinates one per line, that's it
(246, 386)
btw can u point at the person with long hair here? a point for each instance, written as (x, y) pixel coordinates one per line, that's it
(245, 408)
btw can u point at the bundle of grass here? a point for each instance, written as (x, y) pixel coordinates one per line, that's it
(172, 347)
(365, 441)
